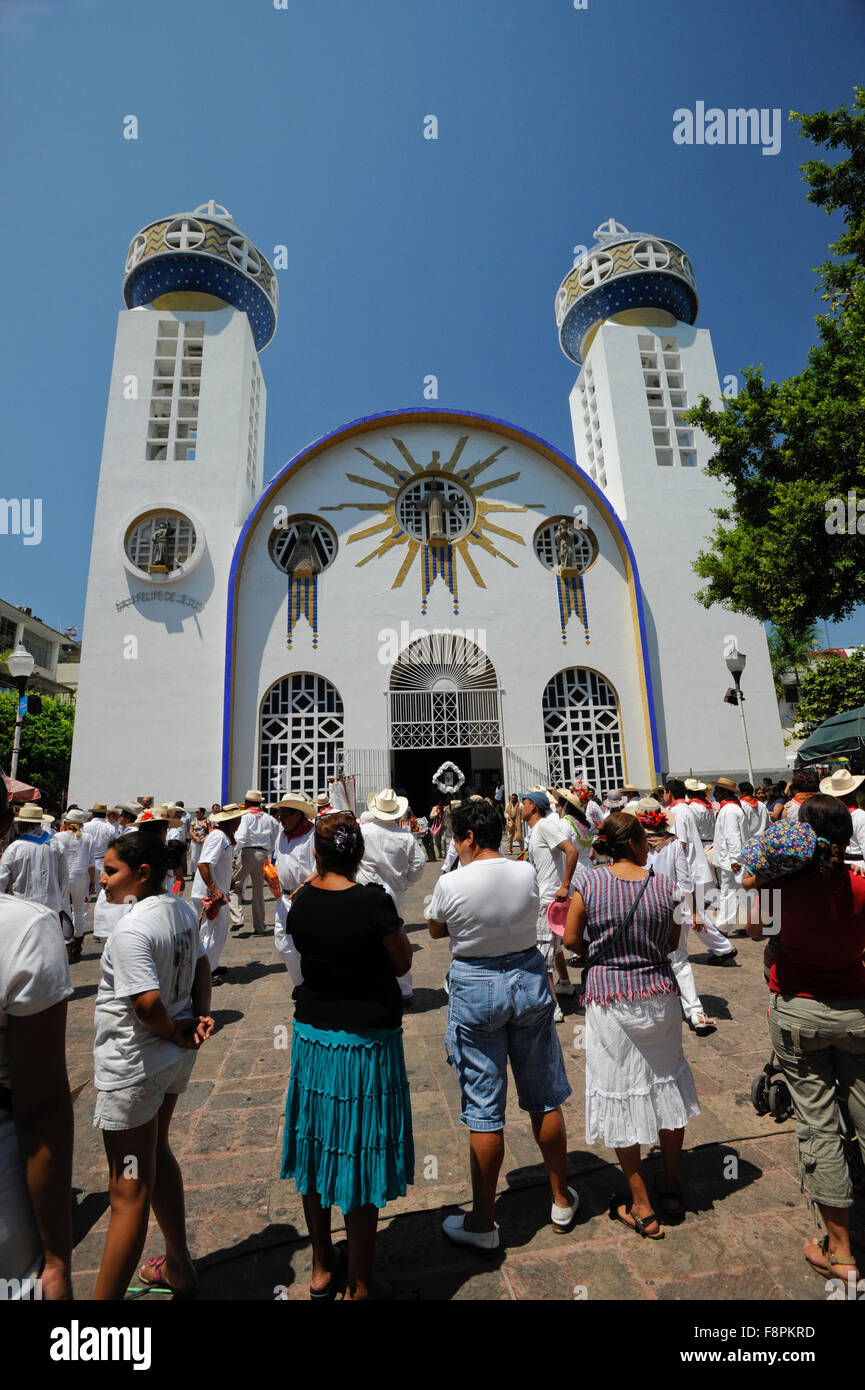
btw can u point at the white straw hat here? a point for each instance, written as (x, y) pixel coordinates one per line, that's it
(294, 801)
(841, 783)
(386, 805)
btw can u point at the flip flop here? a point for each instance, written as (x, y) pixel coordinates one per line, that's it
(150, 1276)
(636, 1224)
(830, 1262)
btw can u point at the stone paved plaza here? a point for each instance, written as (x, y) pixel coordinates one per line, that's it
(746, 1219)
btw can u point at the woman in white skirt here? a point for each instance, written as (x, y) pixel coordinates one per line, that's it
(639, 1088)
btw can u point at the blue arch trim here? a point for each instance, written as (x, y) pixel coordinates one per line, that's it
(418, 415)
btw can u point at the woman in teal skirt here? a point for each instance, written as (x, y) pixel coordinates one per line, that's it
(348, 1136)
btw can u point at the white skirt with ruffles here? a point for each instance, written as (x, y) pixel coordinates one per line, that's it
(637, 1079)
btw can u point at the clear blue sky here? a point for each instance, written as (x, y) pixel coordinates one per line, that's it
(406, 256)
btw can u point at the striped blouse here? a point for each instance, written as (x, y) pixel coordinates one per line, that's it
(639, 969)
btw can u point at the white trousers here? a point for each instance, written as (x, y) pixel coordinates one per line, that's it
(405, 984)
(78, 885)
(214, 934)
(682, 969)
(730, 903)
(194, 854)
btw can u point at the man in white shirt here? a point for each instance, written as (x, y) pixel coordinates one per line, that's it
(33, 866)
(255, 839)
(102, 833)
(699, 868)
(755, 814)
(843, 785)
(77, 850)
(726, 851)
(212, 880)
(554, 858)
(391, 857)
(294, 861)
(700, 809)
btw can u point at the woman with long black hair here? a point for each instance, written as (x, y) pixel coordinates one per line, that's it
(152, 1014)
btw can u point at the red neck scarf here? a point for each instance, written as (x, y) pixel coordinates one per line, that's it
(302, 829)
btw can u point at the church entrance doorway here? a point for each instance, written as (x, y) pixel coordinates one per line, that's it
(444, 706)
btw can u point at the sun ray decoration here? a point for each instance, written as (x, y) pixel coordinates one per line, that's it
(402, 525)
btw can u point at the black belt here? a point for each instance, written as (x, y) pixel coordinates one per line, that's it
(5, 1099)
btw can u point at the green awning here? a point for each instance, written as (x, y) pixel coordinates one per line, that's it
(843, 733)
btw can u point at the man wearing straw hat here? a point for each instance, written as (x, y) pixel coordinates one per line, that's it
(255, 839)
(843, 785)
(391, 856)
(33, 866)
(101, 831)
(294, 861)
(726, 849)
(211, 884)
(77, 850)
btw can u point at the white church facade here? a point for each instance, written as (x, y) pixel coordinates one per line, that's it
(418, 586)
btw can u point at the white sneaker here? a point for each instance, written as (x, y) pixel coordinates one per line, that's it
(562, 1217)
(565, 987)
(558, 1016)
(487, 1242)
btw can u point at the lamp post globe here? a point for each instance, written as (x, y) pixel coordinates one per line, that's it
(20, 665)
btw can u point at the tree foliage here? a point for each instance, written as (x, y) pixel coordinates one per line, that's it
(46, 744)
(786, 449)
(788, 651)
(835, 684)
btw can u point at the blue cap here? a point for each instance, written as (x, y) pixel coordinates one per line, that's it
(541, 800)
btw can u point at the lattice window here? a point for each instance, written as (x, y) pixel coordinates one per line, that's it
(412, 510)
(177, 544)
(582, 728)
(667, 399)
(252, 438)
(302, 731)
(172, 429)
(283, 539)
(585, 545)
(8, 630)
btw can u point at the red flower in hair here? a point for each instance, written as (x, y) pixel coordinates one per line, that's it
(146, 815)
(654, 820)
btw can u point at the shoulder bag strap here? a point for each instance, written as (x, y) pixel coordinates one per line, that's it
(615, 941)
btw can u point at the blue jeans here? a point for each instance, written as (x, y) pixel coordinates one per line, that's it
(500, 1008)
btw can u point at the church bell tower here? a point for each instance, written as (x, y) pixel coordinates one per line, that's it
(181, 465)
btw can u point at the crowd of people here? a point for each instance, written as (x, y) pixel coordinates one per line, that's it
(611, 885)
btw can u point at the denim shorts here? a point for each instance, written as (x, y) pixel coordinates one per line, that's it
(500, 1009)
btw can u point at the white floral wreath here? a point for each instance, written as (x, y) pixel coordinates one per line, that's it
(453, 786)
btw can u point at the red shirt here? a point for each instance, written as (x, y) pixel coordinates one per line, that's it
(822, 937)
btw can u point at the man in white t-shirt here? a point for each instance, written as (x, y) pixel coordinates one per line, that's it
(391, 857)
(843, 785)
(33, 866)
(554, 858)
(213, 880)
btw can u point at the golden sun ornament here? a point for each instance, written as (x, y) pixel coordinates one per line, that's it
(436, 513)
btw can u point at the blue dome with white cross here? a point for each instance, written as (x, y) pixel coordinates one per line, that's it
(201, 260)
(624, 275)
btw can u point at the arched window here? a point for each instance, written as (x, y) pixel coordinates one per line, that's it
(582, 729)
(302, 727)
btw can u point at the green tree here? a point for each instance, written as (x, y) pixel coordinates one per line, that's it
(835, 684)
(788, 450)
(788, 651)
(46, 744)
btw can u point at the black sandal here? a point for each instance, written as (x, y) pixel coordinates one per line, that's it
(666, 1196)
(636, 1224)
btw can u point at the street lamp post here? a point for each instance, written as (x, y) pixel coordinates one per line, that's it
(736, 665)
(20, 666)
